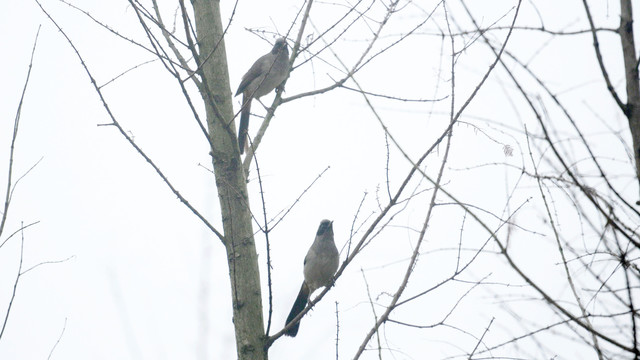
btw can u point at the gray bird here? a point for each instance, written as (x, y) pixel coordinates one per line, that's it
(320, 265)
(267, 73)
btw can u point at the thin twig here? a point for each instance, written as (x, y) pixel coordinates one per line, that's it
(16, 123)
(64, 327)
(126, 136)
(266, 231)
(603, 68)
(15, 286)
(486, 330)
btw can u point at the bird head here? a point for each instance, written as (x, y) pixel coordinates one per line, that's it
(280, 44)
(325, 225)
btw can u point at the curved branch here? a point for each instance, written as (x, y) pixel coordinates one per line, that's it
(126, 136)
(603, 69)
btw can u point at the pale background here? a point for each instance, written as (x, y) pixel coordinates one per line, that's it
(144, 278)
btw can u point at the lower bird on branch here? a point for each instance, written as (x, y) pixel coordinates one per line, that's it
(320, 265)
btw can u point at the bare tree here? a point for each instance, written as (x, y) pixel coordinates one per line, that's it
(521, 249)
(596, 264)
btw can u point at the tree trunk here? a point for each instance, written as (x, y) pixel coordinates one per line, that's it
(231, 183)
(632, 110)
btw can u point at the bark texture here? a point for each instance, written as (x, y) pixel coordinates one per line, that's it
(231, 183)
(632, 110)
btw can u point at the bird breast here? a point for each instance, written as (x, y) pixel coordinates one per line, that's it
(273, 75)
(320, 265)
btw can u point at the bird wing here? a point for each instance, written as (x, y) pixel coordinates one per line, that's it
(257, 69)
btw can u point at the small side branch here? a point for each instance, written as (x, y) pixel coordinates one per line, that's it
(7, 199)
(127, 137)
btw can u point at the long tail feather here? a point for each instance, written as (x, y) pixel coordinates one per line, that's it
(244, 123)
(298, 306)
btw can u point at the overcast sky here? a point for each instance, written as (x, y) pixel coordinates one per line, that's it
(144, 279)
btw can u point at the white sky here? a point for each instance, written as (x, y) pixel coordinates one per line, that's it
(143, 272)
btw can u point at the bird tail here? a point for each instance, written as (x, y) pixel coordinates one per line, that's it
(244, 122)
(298, 306)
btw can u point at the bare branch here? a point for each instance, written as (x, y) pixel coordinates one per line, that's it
(603, 69)
(126, 136)
(64, 327)
(47, 263)
(15, 286)
(564, 259)
(16, 123)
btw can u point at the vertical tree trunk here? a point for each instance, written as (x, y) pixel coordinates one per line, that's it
(231, 184)
(632, 110)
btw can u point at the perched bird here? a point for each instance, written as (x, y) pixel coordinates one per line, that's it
(267, 73)
(320, 265)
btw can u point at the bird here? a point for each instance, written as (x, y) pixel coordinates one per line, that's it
(267, 73)
(320, 265)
